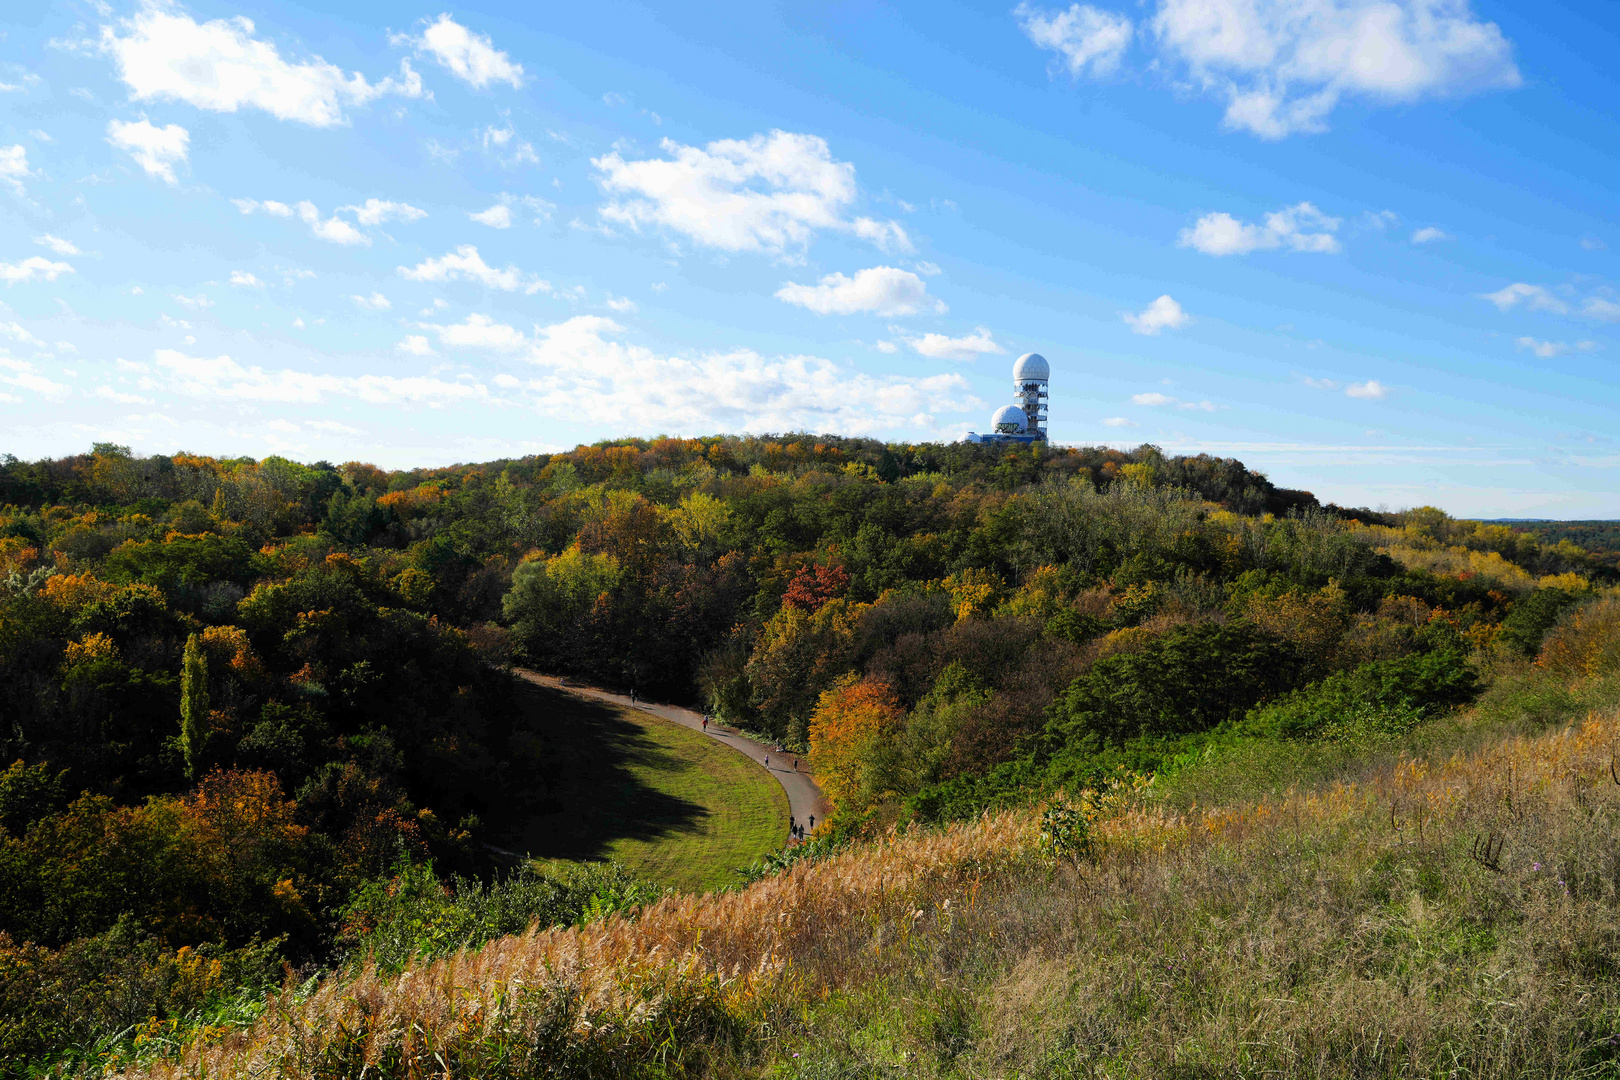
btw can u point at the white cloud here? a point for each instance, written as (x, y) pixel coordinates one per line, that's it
(1321, 384)
(879, 290)
(739, 390)
(1536, 297)
(660, 286)
(622, 304)
(57, 244)
(17, 332)
(221, 378)
(1283, 65)
(1429, 234)
(466, 264)
(107, 393)
(333, 229)
(156, 149)
(14, 166)
(1152, 398)
(888, 347)
(770, 193)
(268, 206)
(1544, 349)
(332, 426)
(164, 54)
(478, 331)
(498, 216)
(967, 347)
(1371, 390)
(1600, 307)
(1163, 314)
(1089, 40)
(1118, 421)
(200, 302)
(246, 280)
(470, 56)
(24, 376)
(1301, 227)
(1200, 406)
(378, 211)
(34, 266)
(1380, 219)
(1592, 243)
(375, 302)
(416, 345)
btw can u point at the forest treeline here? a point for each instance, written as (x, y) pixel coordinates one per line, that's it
(245, 704)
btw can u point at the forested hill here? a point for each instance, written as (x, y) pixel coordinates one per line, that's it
(243, 701)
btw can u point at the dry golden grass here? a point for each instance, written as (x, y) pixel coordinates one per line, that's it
(1349, 931)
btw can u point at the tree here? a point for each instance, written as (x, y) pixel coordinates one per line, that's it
(193, 704)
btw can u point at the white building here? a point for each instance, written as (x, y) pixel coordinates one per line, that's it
(1024, 421)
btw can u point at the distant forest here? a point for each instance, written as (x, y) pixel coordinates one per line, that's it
(1601, 538)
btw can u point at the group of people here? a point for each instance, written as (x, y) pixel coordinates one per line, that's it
(796, 827)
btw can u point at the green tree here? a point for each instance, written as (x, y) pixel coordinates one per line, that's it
(193, 704)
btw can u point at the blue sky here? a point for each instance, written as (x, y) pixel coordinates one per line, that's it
(1368, 247)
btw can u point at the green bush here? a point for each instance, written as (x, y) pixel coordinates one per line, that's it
(416, 913)
(1386, 697)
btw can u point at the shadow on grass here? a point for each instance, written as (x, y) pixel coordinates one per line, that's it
(577, 790)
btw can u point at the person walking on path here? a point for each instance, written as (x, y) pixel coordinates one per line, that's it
(705, 722)
(767, 761)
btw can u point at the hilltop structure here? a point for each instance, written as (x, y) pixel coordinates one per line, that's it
(1024, 421)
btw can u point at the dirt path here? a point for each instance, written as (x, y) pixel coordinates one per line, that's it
(805, 799)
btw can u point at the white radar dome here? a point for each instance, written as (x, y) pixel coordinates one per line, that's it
(1008, 420)
(1031, 367)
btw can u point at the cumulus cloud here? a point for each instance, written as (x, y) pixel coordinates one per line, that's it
(770, 193)
(1601, 308)
(466, 264)
(1544, 349)
(375, 302)
(246, 280)
(1152, 398)
(1371, 390)
(107, 393)
(738, 390)
(220, 378)
(58, 245)
(416, 345)
(200, 302)
(14, 166)
(1301, 227)
(498, 216)
(477, 331)
(967, 347)
(1087, 40)
(1536, 297)
(1163, 314)
(333, 229)
(622, 304)
(879, 290)
(17, 332)
(1429, 234)
(25, 376)
(1118, 421)
(1282, 66)
(469, 56)
(380, 211)
(33, 268)
(163, 54)
(156, 149)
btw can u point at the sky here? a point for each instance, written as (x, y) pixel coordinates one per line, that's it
(1366, 246)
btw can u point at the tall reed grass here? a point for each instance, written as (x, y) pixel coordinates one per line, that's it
(1454, 916)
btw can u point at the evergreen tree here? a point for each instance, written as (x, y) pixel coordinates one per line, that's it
(193, 703)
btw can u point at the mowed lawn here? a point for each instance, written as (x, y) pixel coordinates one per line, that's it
(617, 783)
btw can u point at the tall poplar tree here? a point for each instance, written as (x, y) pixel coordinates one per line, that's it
(193, 703)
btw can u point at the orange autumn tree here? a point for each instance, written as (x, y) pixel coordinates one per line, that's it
(848, 719)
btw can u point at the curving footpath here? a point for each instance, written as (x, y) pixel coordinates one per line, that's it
(804, 797)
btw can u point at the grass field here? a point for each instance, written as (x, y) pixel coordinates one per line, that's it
(607, 782)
